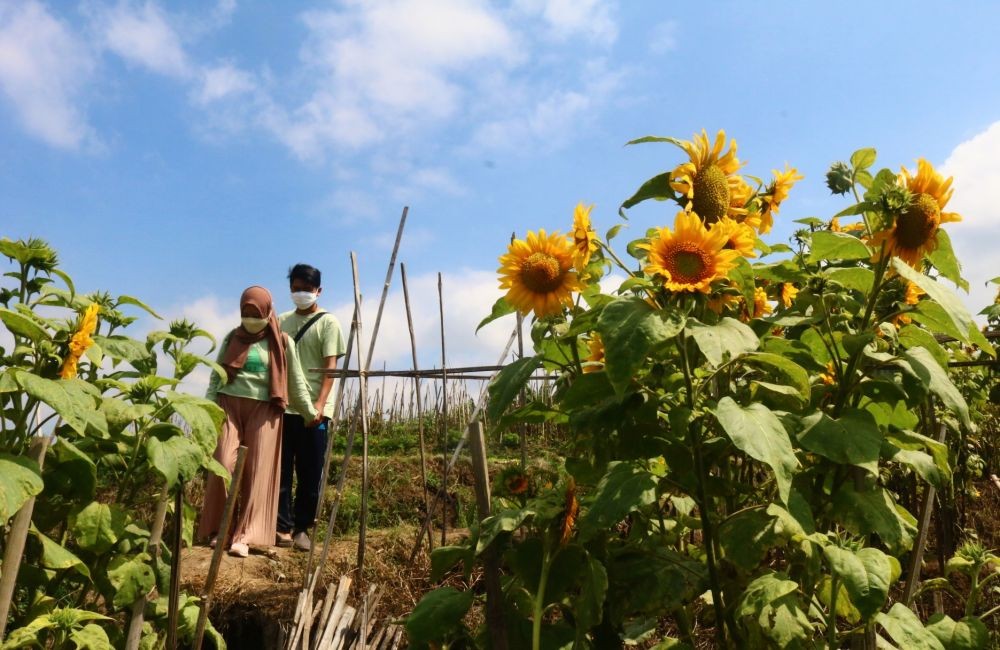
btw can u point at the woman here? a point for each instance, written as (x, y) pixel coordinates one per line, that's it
(263, 377)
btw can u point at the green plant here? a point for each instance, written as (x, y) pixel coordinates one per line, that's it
(732, 426)
(121, 436)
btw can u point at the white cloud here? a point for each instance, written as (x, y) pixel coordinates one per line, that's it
(142, 36)
(976, 168)
(221, 82)
(663, 37)
(43, 69)
(589, 19)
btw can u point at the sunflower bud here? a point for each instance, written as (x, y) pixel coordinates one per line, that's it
(838, 179)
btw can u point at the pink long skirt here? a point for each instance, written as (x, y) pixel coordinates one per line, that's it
(257, 425)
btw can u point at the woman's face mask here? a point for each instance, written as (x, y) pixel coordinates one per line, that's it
(304, 299)
(253, 325)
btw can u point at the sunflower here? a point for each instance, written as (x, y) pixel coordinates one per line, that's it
(722, 301)
(914, 232)
(788, 293)
(851, 227)
(830, 376)
(691, 257)
(570, 512)
(538, 273)
(740, 237)
(513, 481)
(596, 357)
(775, 195)
(761, 307)
(584, 237)
(913, 293)
(80, 341)
(709, 180)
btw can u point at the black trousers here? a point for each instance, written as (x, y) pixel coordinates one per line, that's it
(302, 452)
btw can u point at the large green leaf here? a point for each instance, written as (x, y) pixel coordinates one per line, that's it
(874, 510)
(129, 300)
(758, 432)
(630, 328)
(946, 298)
(911, 336)
(131, 577)
(500, 309)
(924, 455)
(122, 347)
(21, 325)
(772, 605)
(828, 245)
(856, 278)
(783, 369)
(508, 383)
(505, 521)
(98, 526)
(19, 481)
(178, 458)
(437, 614)
(944, 260)
(68, 398)
(57, 557)
(627, 486)
(589, 604)
(903, 627)
(747, 536)
(863, 158)
(866, 575)
(444, 558)
(726, 340)
(853, 439)
(204, 418)
(91, 637)
(966, 634)
(921, 364)
(69, 471)
(657, 187)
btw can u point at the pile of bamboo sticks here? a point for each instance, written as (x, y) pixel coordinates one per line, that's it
(332, 624)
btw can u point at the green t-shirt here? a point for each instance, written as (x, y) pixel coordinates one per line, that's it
(323, 339)
(253, 379)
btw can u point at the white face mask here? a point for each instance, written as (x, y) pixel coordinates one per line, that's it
(304, 299)
(253, 325)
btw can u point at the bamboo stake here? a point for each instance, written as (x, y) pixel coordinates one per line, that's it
(494, 593)
(419, 404)
(175, 568)
(458, 448)
(363, 390)
(388, 281)
(444, 412)
(330, 627)
(917, 556)
(223, 534)
(139, 606)
(16, 539)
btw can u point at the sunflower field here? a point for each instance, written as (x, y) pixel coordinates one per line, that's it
(96, 446)
(744, 421)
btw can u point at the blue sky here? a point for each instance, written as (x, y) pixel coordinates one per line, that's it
(180, 151)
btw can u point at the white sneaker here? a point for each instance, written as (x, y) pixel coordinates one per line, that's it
(239, 549)
(301, 541)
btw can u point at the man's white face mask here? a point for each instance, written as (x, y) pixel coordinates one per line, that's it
(253, 325)
(304, 299)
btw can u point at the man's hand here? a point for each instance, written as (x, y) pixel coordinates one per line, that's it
(319, 416)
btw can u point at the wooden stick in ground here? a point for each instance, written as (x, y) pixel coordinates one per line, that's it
(419, 402)
(444, 413)
(330, 626)
(363, 391)
(458, 448)
(494, 593)
(332, 427)
(221, 536)
(388, 281)
(139, 606)
(16, 539)
(175, 568)
(522, 434)
(924, 519)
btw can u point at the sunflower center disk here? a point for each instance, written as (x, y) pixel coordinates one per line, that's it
(687, 264)
(916, 226)
(711, 194)
(541, 273)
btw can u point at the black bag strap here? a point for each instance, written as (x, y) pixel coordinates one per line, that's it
(309, 323)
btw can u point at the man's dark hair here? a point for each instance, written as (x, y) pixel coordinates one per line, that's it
(308, 274)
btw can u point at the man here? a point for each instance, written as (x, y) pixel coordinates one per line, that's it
(319, 341)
